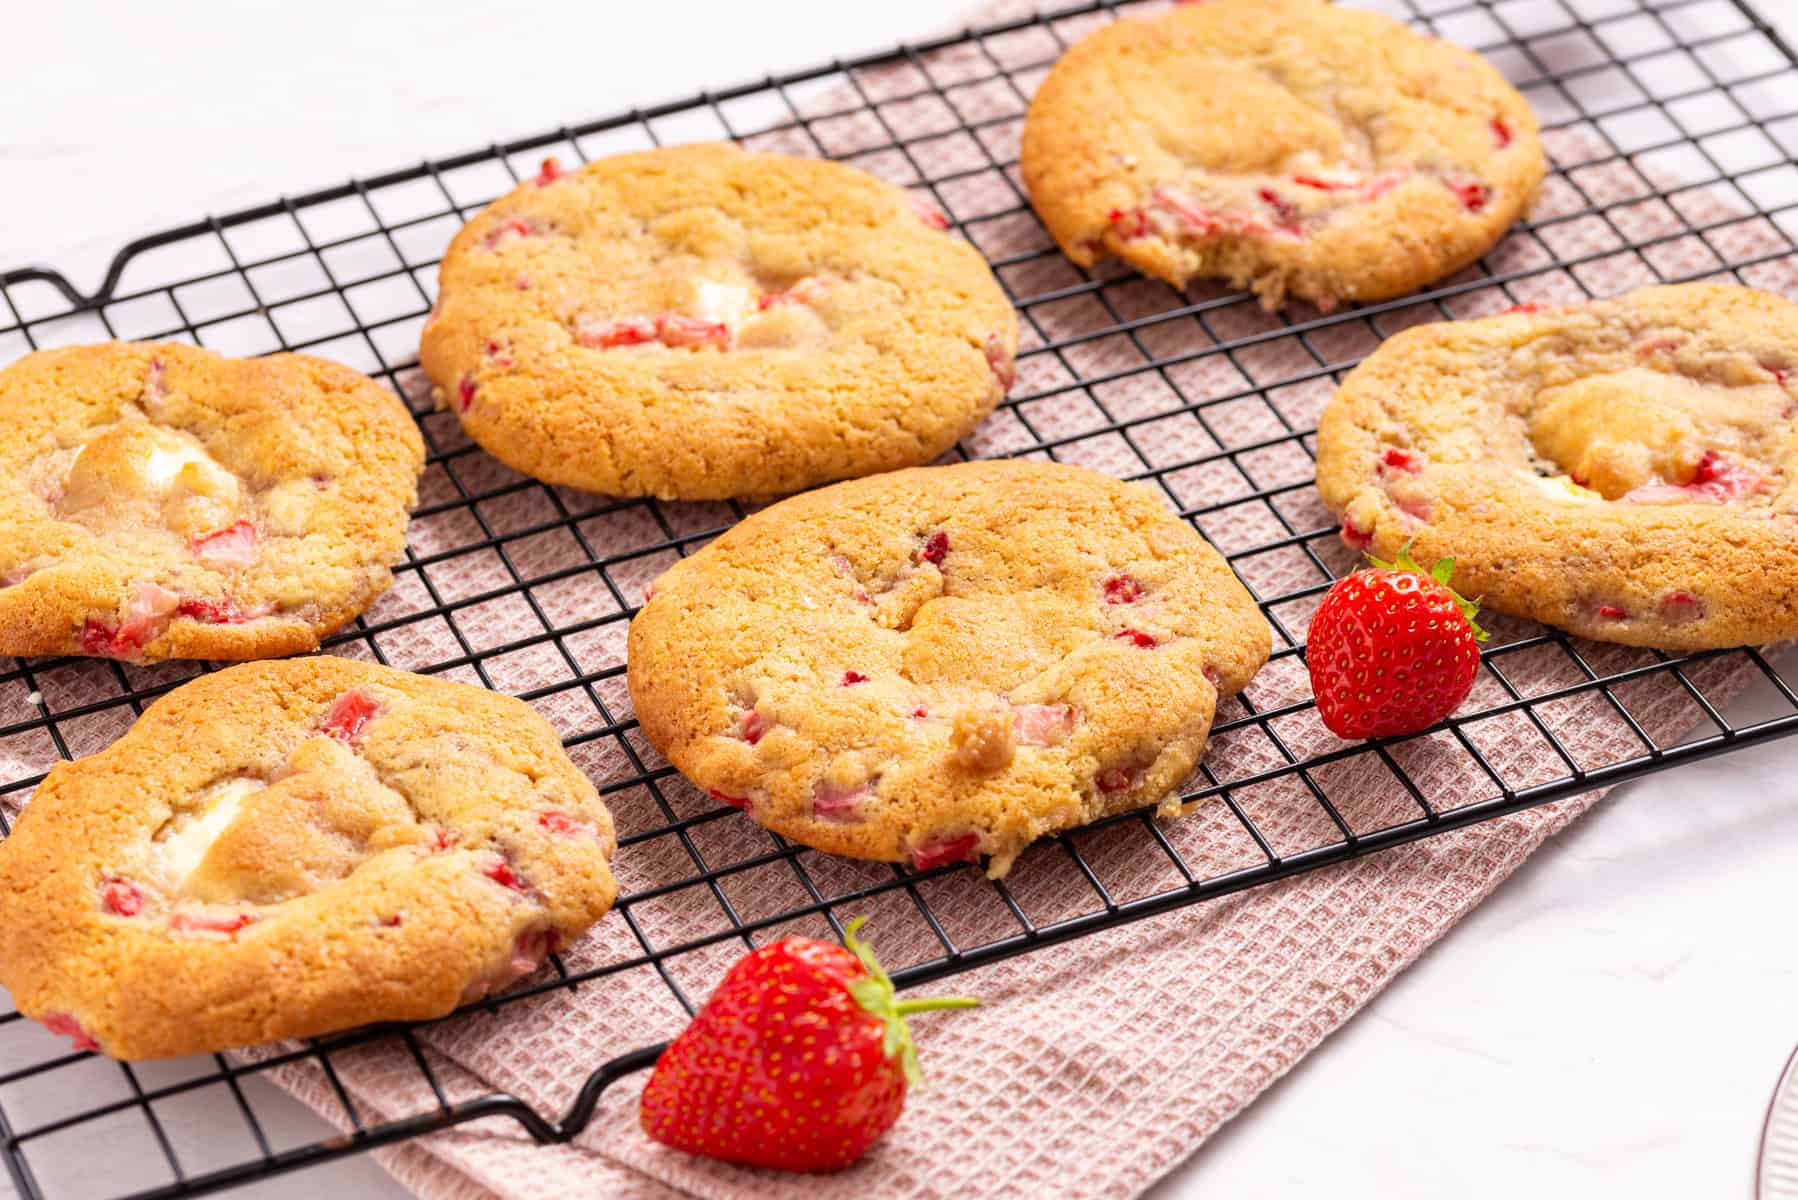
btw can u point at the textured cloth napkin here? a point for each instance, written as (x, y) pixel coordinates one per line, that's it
(1095, 1066)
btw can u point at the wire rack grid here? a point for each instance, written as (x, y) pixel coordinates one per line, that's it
(1667, 126)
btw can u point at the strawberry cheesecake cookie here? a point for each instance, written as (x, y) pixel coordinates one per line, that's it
(288, 848)
(701, 323)
(945, 662)
(1626, 470)
(1288, 146)
(163, 501)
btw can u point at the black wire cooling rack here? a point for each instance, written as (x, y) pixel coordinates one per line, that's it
(1666, 124)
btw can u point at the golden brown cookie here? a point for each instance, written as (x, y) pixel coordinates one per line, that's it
(945, 662)
(1289, 146)
(284, 849)
(1626, 469)
(700, 323)
(162, 501)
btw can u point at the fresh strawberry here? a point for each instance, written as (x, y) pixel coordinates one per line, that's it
(1392, 650)
(799, 1061)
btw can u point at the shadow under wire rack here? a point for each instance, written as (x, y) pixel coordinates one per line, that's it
(1669, 126)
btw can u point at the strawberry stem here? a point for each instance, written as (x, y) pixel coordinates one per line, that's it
(875, 993)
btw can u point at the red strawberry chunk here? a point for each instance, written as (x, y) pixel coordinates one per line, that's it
(1121, 589)
(806, 291)
(465, 390)
(1286, 213)
(939, 852)
(350, 715)
(1322, 185)
(232, 546)
(936, 548)
(154, 388)
(501, 872)
(677, 329)
(1473, 195)
(1681, 606)
(1131, 223)
(1001, 364)
(753, 727)
(839, 804)
(152, 605)
(1355, 536)
(851, 678)
(1136, 637)
(929, 213)
(1396, 459)
(1501, 133)
(920, 712)
(64, 1024)
(549, 172)
(627, 331)
(1197, 219)
(1044, 724)
(208, 921)
(741, 802)
(1611, 612)
(212, 612)
(557, 821)
(1118, 779)
(394, 921)
(121, 898)
(510, 230)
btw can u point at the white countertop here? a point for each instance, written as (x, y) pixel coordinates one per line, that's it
(1611, 1022)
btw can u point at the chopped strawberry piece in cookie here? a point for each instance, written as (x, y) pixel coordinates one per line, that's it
(940, 852)
(936, 548)
(210, 921)
(1355, 536)
(839, 804)
(738, 802)
(929, 213)
(1501, 133)
(1136, 637)
(1612, 612)
(1003, 368)
(501, 872)
(350, 715)
(549, 172)
(465, 390)
(851, 678)
(1130, 223)
(512, 229)
(1473, 195)
(1121, 589)
(1118, 779)
(232, 546)
(807, 291)
(1716, 480)
(121, 898)
(560, 822)
(212, 612)
(1681, 606)
(1196, 219)
(64, 1024)
(152, 606)
(679, 330)
(753, 727)
(629, 331)
(1044, 724)
(1404, 461)
(1286, 213)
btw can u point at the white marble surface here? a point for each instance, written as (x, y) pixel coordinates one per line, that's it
(1610, 1023)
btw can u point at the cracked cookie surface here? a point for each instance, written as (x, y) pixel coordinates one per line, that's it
(944, 662)
(1288, 146)
(162, 501)
(1625, 469)
(700, 323)
(289, 848)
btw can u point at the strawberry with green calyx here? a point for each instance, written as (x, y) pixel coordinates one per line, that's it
(1392, 650)
(799, 1061)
